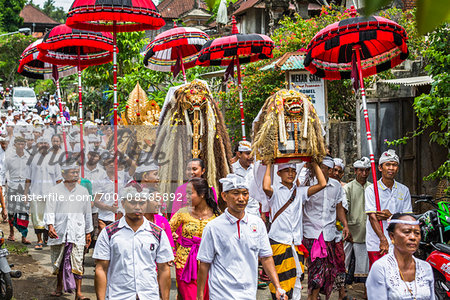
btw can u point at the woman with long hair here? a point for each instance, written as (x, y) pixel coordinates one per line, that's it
(193, 220)
(399, 275)
(194, 169)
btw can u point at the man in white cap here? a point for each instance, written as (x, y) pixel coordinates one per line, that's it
(53, 109)
(338, 170)
(132, 255)
(355, 250)
(147, 175)
(320, 213)
(231, 246)
(394, 198)
(3, 148)
(41, 175)
(286, 200)
(15, 169)
(244, 164)
(69, 222)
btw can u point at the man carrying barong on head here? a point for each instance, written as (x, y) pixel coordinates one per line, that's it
(286, 200)
(69, 222)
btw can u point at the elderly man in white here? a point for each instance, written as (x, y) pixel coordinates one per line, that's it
(69, 222)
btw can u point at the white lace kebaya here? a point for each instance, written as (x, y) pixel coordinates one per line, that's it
(385, 282)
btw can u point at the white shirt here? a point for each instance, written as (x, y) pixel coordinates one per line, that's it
(288, 227)
(384, 281)
(70, 213)
(94, 177)
(133, 258)
(233, 255)
(397, 200)
(2, 166)
(15, 169)
(53, 110)
(319, 212)
(238, 169)
(105, 187)
(42, 174)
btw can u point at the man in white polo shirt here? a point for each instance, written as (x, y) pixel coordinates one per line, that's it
(394, 198)
(132, 255)
(231, 246)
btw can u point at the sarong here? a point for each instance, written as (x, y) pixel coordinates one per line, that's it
(340, 265)
(356, 262)
(68, 259)
(322, 271)
(187, 276)
(285, 266)
(20, 221)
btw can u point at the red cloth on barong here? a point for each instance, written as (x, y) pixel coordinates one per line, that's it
(322, 271)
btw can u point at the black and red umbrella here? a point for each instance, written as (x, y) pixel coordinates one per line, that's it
(356, 48)
(30, 66)
(81, 48)
(175, 49)
(236, 49)
(115, 16)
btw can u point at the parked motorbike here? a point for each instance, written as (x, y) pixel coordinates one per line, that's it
(6, 288)
(435, 229)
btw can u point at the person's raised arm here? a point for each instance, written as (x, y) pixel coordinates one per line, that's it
(164, 280)
(267, 181)
(320, 178)
(202, 275)
(100, 280)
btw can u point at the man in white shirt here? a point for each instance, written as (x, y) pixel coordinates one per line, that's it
(394, 198)
(319, 232)
(3, 147)
(132, 255)
(53, 109)
(286, 200)
(231, 246)
(69, 222)
(40, 177)
(15, 171)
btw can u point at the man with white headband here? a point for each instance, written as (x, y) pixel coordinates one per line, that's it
(231, 246)
(338, 170)
(356, 217)
(286, 200)
(69, 222)
(394, 198)
(320, 213)
(244, 164)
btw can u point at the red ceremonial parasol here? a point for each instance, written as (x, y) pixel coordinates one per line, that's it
(30, 66)
(81, 48)
(236, 49)
(356, 48)
(175, 49)
(115, 16)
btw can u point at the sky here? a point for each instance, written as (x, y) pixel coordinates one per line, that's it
(58, 3)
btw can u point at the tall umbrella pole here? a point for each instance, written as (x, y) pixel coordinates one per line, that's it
(80, 111)
(357, 50)
(116, 171)
(61, 117)
(180, 57)
(241, 102)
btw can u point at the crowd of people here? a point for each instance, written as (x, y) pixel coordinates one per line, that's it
(281, 221)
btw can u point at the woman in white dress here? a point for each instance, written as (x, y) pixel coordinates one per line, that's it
(399, 275)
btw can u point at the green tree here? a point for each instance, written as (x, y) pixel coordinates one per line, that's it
(56, 13)
(10, 11)
(11, 47)
(433, 109)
